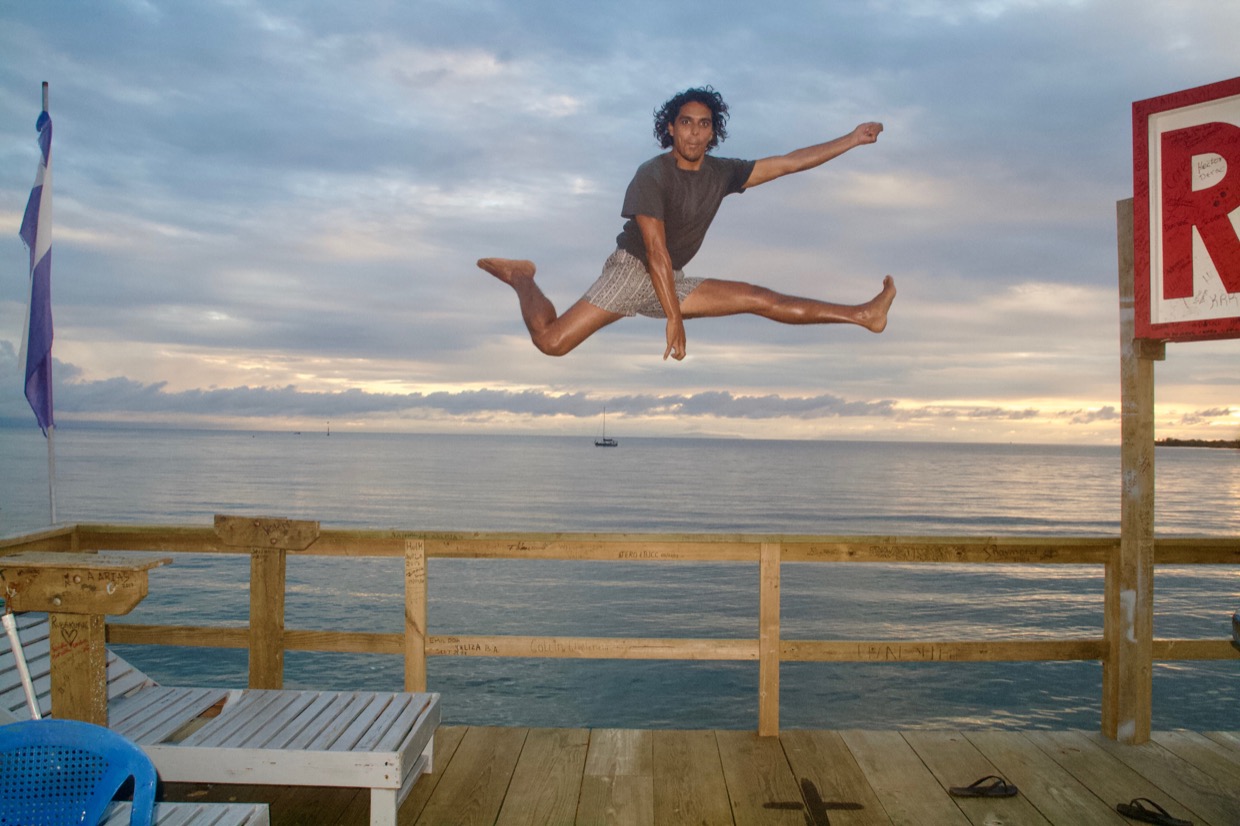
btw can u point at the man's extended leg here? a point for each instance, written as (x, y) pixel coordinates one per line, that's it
(714, 297)
(553, 334)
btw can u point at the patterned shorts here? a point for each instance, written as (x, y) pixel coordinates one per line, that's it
(625, 287)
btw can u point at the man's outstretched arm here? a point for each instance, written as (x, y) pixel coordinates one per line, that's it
(663, 277)
(768, 169)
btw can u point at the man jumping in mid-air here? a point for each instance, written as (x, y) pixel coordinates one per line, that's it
(669, 206)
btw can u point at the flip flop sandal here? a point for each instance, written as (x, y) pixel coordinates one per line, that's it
(989, 786)
(1158, 814)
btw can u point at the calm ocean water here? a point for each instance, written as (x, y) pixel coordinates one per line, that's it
(551, 484)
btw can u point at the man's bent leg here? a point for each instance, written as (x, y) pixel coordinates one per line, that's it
(552, 334)
(574, 326)
(715, 297)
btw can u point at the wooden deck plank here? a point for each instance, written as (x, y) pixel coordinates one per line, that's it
(761, 786)
(317, 804)
(1216, 801)
(547, 780)
(618, 786)
(475, 781)
(1230, 739)
(1207, 755)
(616, 800)
(954, 761)
(1059, 796)
(908, 791)
(833, 786)
(357, 810)
(620, 752)
(839, 785)
(689, 787)
(1109, 778)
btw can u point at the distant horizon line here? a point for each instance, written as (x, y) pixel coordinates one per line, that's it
(12, 423)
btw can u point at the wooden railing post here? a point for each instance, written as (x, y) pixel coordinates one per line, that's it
(415, 615)
(269, 541)
(268, 576)
(768, 639)
(79, 666)
(1129, 595)
(76, 590)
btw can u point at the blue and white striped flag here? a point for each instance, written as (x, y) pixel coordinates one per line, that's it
(36, 231)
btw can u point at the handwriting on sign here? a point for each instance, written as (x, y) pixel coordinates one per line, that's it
(900, 653)
(1214, 300)
(558, 647)
(461, 648)
(912, 554)
(640, 555)
(276, 530)
(71, 638)
(415, 565)
(93, 580)
(1209, 168)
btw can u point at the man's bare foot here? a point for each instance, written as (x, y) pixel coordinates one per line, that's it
(508, 269)
(873, 315)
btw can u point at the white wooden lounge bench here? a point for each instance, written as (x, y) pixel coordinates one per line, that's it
(195, 814)
(382, 741)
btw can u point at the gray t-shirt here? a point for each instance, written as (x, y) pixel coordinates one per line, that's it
(685, 200)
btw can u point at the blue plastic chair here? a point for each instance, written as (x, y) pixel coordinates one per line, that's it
(55, 772)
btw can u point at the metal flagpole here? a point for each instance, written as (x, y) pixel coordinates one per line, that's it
(51, 472)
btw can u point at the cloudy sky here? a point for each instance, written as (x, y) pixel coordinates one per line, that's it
(267, 213)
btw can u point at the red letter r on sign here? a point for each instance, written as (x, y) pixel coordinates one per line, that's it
(1208, 209)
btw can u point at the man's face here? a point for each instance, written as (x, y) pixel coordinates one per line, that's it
(691, 132)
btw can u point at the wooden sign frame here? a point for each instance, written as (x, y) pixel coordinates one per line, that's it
(1186, 233)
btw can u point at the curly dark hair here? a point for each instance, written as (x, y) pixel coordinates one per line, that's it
(665, 115)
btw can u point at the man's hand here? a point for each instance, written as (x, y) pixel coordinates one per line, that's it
(867, 133)
(675, 339)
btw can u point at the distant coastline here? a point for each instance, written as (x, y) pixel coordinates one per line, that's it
(1234, 444)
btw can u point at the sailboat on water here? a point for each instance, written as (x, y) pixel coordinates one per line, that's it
(605, 442)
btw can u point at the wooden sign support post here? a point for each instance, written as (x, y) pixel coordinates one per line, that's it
(1127, 673)
(77, 591)
(269, 541)
(770, 557)
(1179, 280)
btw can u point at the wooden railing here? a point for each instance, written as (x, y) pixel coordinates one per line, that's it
(269, 542)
